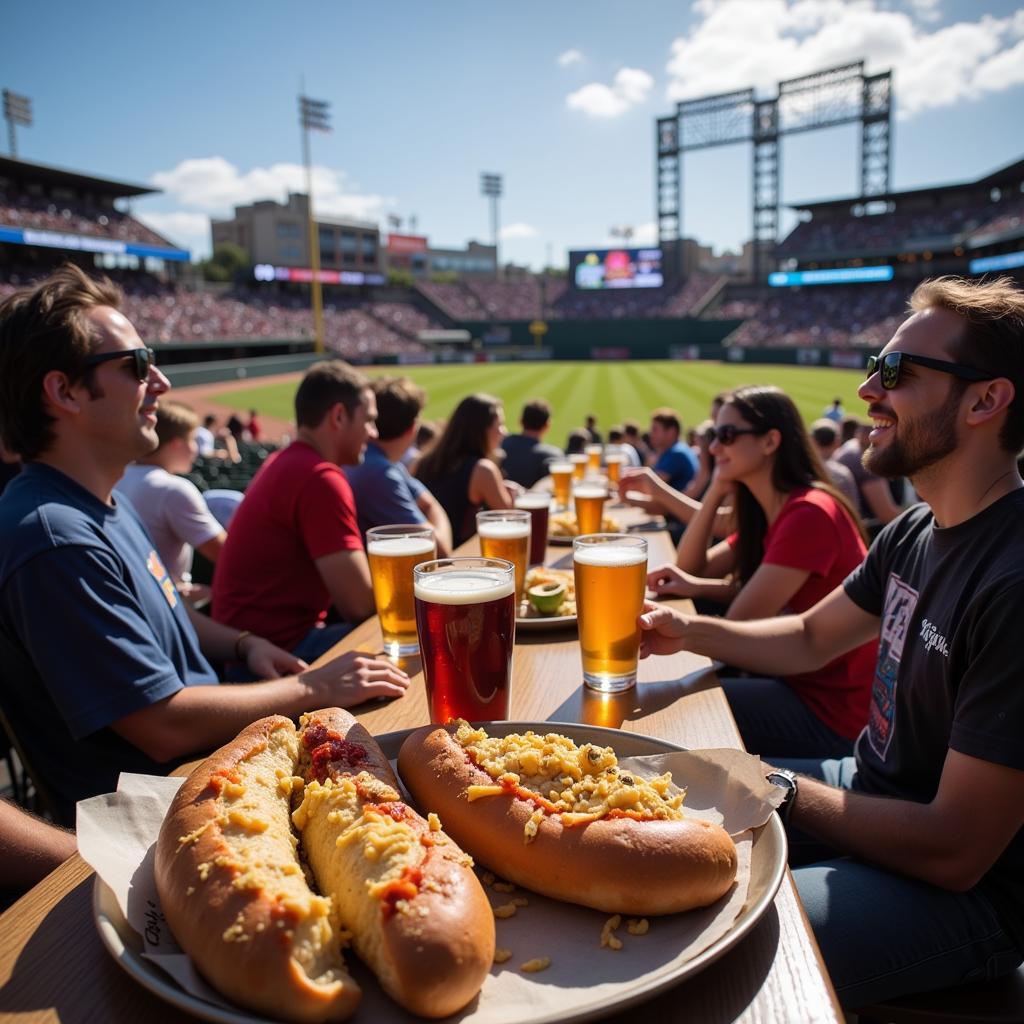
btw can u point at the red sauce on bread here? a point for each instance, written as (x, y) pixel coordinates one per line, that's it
(329, 752)
(405, 888)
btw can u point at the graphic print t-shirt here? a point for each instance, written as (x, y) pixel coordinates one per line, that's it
(950, 660)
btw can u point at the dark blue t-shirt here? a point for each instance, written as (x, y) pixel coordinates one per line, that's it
(91, 629)
(384, 491)
(678, 465)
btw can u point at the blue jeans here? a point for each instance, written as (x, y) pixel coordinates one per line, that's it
(774, 722)
(883, 935)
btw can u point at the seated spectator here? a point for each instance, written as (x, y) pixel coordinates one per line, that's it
(236, 428)
(426, 437)
(674, 461)
(834, 412)
(825, 438)
(30, 849)
(616, 435)
(206, 442)
(633, 437)
(526, 455)
(171, 508)
(590, 426)
(295, 548)
(384, 491)
(129, 686)
(461, 469)
(797, 539)
(577, 442)
(876, 505)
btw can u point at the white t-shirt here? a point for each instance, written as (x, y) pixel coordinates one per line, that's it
(205, 441)
(173, 512)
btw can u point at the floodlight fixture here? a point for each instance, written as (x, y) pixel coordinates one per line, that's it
(17, 110)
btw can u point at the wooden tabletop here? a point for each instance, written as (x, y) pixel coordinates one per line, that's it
(53, 967)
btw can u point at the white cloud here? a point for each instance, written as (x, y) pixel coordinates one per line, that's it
(925, 10)
(739, 43)
(629, 87)
(569, 57)
(215, 185)
(189, 230)
(518, 230)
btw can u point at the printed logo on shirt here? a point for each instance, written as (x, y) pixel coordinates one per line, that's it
(160, 574)
(933, 639)
(900, 602)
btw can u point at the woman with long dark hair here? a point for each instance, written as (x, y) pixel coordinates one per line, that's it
(796, 540)
(461, 469)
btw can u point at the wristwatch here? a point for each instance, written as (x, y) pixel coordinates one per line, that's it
(784, 779)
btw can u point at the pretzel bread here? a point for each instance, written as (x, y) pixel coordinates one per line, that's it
(285, 845)
(566, 822)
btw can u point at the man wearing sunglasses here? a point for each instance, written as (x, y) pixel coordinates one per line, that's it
(913, 849)
(103, 668)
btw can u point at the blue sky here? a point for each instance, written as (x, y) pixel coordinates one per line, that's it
(559, 97)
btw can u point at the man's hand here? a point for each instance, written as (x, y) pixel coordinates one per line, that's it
(643, 487)
(662, 630)
(356, 676)
(268, 661)
(670, 581)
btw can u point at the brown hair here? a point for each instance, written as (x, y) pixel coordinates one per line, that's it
(668, 418)
(993, 336)
(174, 420)
(325, 385)
(44, 327)
(536, 415)
(464, 436)
(399, 402)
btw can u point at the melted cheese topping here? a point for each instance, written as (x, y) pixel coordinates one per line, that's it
(581, 784)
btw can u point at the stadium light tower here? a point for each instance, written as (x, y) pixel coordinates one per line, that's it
(314, 115)
(491, 186)
(17, 110)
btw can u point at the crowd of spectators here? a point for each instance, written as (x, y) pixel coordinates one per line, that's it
(843, 316)
(1010, 217)
(21, 210)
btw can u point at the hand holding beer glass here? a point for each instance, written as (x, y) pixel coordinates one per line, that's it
(611, 577)
(589, 497)
(466, 620)
(392, 551)
(505, 533)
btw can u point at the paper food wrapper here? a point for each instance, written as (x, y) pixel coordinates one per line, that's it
(117, 832)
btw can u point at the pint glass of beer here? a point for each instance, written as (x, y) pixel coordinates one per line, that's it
(538, 504)
(466, 620)
(505, 533)
(614, 460)
(611, 576)
(579, 466)
(589, 497)
(561, 477)
(593, 453)
(392, 552)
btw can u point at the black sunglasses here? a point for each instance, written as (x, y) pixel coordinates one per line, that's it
(726, 434)
(890, 365)
(144, 359)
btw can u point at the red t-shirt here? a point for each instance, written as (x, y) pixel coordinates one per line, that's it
(813, 532)
(298, 508)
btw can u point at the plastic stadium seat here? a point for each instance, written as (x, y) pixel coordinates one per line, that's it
(989, 1002)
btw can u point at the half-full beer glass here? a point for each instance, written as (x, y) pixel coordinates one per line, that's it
(611, 576)
(538, 504)
(561, 477)
(466, 620)
(392, 552)
(589, 497)
(505, 533)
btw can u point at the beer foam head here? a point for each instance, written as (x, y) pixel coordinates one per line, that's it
(610, 554)
(615, 457)
(559, 467)
(573, 459)
(401, 547)
(590, 491)
(533, 499)
(503, 529)
(464, 586)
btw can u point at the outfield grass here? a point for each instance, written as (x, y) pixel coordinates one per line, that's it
(612, 391)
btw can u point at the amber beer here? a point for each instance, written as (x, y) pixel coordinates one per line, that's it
(614, 460)
(466, 620)
(392, 552)
(611, 576)
(579, 466)
(561, 477)
(538, 504)
(589, 497)
(505, 533)
(593, 453)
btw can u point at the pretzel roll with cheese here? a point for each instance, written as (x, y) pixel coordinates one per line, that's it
(416, 911)
(566, 821)
(234, 892)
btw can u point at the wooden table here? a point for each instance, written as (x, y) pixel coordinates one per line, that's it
(53, 967)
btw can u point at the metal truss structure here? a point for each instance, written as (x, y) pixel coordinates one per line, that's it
(824, 99)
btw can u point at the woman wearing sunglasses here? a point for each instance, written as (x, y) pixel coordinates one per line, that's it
(796, 538)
